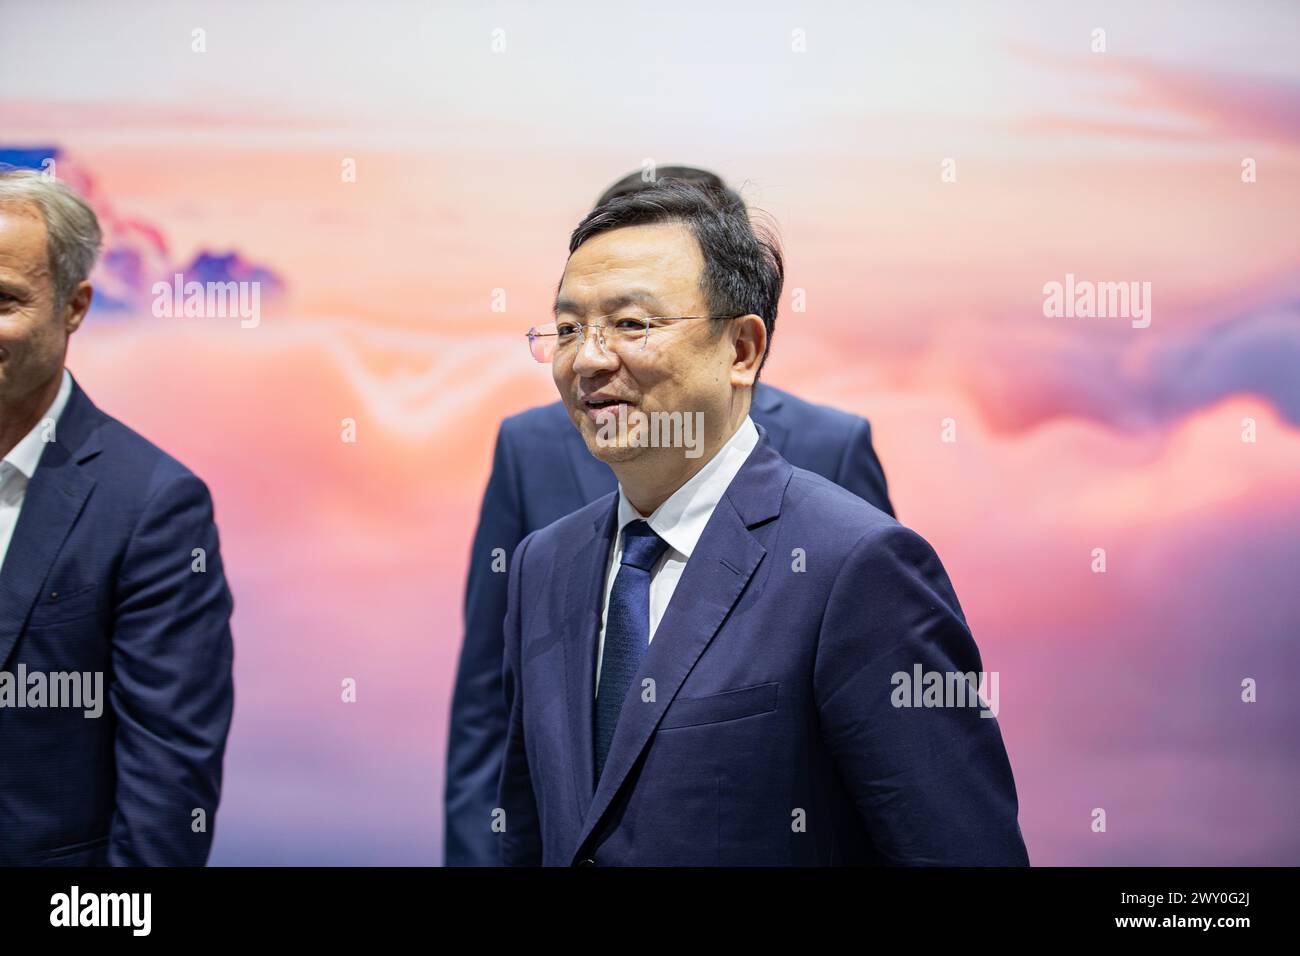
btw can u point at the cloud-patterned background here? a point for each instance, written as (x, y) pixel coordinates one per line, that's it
(924, 302)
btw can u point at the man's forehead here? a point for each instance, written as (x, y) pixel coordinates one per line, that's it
(629, 247)
(22, 238)
(22, 214)
(579, 304)
(644, 265)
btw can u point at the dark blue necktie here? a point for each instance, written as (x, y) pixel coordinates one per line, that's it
(627, 630)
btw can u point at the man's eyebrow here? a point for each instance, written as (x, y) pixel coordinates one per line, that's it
(612, 304)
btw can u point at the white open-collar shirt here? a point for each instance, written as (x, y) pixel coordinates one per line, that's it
(679, 521)
(17, 467)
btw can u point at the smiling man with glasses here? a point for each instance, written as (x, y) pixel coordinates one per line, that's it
(541, 471)
(701, 668)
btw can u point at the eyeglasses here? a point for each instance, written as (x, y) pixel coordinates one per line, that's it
(623, 337)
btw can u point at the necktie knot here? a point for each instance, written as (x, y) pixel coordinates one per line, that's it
(641, 546)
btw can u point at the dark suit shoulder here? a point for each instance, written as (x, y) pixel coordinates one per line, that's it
(130, 465)
(833, 419)
(536, 437)
(542, 421)
(849, 530)
(831, 509)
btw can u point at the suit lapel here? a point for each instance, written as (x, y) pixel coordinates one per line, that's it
(718, 571)
(54, 500)
(579, 622)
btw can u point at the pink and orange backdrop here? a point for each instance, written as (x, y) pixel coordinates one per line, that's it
(481, 133)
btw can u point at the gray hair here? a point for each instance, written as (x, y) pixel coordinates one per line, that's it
(73, 234)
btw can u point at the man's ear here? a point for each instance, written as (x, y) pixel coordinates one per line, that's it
(77, 307)
(750, 343)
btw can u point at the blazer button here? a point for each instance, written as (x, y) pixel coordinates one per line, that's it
(587, 862)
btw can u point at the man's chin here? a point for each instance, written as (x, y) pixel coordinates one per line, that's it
(604, 439)
(610, 452)
(615, 454)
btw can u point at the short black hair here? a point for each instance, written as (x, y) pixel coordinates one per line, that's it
(744, 269)
(635, 181)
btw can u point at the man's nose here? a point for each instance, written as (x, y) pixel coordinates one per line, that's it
(592, 357)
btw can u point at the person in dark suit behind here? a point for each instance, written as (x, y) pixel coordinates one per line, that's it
(711, 665)
(115, 646)
(541, 471)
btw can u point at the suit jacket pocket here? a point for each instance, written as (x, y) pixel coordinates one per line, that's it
(60, 605)
(728, 705)
(77, 854)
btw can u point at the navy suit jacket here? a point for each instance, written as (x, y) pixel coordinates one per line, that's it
(768, 735)
(100, 576)
(543, 471)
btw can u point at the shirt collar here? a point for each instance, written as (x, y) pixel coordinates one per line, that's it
(681, 519)
(26, 455)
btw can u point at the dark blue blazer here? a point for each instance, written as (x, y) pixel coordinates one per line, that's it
(770, 737)
(100, 576)
(542, 471)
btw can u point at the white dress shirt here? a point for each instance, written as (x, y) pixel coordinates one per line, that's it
(17, 467)
(679, 521)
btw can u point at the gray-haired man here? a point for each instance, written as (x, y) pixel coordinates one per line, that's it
(115, 647)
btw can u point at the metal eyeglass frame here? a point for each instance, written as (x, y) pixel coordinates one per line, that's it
(535, 336)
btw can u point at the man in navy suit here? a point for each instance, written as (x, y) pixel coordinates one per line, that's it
(714, 664)
(115, 646)
(542, 471)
